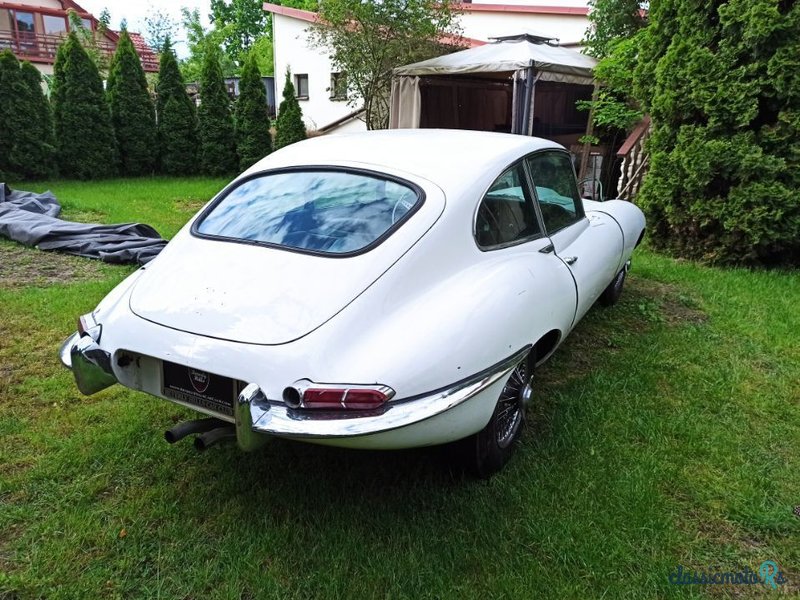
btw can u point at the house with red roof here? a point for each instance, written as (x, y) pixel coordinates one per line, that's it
(33, 30)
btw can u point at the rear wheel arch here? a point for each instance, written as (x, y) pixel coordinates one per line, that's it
(545, 345)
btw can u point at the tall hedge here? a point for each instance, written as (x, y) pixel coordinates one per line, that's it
(215, 122)
(289, 125)
(26, 124)
(252, 119)
(721, 80)
(177, 120)
(86, 145)
(132, 112)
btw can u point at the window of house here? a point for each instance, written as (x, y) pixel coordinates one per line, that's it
(87, 24)
(24, 22)
(506, 215)
(301, 86)
(54, 25)
(338, 86)
(556, 189)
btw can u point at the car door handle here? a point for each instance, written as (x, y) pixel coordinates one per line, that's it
(570, 260)
(547, 249)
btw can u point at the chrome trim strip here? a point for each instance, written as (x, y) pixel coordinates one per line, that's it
(277, 419)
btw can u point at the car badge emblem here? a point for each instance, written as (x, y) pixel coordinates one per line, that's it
(199, 379)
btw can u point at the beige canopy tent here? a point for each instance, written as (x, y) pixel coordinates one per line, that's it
(518, 84)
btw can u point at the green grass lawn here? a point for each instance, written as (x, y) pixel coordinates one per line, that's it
(666, 432)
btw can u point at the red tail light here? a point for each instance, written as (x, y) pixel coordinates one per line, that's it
(333, 397)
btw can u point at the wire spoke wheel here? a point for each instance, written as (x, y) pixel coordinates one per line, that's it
(510, 412)
(487, 451)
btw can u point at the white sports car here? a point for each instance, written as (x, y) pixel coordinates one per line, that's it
(390, 289)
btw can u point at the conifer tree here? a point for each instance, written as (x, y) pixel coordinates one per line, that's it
(132, 112)
(26, 125)
(85, 137)
(289, 125)
(252, 121)
(720, 81)
(215, 122)
(177, 121)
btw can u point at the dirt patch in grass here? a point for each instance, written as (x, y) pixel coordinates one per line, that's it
(189, 205)
(665, 302)
(23, 267)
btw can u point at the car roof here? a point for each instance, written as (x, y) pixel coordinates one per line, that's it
(443, 156)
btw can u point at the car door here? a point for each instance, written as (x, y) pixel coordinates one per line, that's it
(590, 245)
(508, 227)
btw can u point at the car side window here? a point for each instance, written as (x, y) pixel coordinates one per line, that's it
(556, 189)
(506, 214)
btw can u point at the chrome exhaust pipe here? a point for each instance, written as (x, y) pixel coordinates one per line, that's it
(181, 430)
(220, 434)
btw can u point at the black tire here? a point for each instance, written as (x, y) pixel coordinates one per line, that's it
(484, 453)
(611, 294)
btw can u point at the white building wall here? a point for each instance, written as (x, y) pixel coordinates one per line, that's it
(293, 50)
(569, 3)
(569, 29)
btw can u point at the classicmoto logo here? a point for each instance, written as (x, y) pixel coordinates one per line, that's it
(199, 380)
(768, 574)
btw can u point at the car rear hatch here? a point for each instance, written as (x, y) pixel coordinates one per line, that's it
(261, 295)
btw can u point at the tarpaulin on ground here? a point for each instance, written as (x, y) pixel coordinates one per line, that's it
(32, 219)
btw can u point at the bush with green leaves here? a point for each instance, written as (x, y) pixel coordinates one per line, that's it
(132, 113)
(289, 126)
(252, 120)
(86, 145)
(215, 122)
(721, 80)
(26, 123)
(176, 117)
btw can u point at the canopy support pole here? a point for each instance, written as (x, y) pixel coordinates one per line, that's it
(526, 111)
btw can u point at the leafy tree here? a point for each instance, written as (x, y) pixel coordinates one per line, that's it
(265, 55)
(368, 39)
(159, 28)
(86, 146)
(252, 121)
(198, 39)
(86, 37)
(215, 123)
(721, 81)
(132, 113)
(243, 21)
(611, 21)
(177, 122)
(104, 20)
(289, 127)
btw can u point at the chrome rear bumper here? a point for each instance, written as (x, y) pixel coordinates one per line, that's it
(256, 416)
(90, 365)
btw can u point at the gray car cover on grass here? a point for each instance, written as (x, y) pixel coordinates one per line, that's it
(32, 219)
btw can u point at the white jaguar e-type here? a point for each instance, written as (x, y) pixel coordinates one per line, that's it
(389, 289)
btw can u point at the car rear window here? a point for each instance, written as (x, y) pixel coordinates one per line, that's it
(327, 211)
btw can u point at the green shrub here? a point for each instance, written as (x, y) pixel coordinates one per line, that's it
(177, 121)
(215, 122)
(132, 113)
(86, 146)
(289, 125)
(721, 81)
(252, 121)
(25, 122)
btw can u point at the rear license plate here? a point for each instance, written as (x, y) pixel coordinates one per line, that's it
(205, 390)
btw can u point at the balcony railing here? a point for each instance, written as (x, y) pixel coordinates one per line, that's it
(39, 47)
